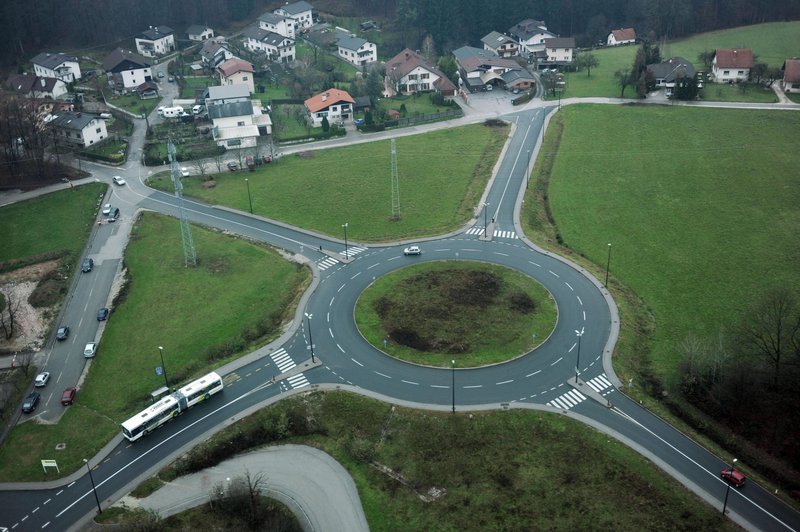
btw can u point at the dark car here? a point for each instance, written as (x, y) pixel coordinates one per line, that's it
(68, 397)
(30, 402)
(102, 314)
(233, 167)
(62, 333)
(87, 265)
(733, 477)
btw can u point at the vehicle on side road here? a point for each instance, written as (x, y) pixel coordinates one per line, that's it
(107, 208)
(184, 171)
(733, 477)
(233, 166)
(42, 379)
(412, 250)
(30, 402)
(90, 350)
(250, 163)
(62, 333)
(102, 314)
(113, 215)
(160, 75)
(118, 180)
(87, 265)
(68, 397)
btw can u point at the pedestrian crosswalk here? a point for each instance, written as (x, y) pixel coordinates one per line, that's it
(497, 233)
(601, 383)
(298, 381)
(326, 263)
(352, 250)
(567, 400)
(285, 363)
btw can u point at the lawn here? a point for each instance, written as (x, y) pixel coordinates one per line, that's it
(290, 121)
(441, 178)
(166, 305)
(132, 103)
(65, 228)
(702, 208)
(415, 105)
(191, 83)
(740, 92)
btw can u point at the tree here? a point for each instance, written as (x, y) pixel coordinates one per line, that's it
(685, 88)
(8, 314)
(201, 165)
(326, 126)
(429, 48)
(706, 58)
(587, 61)
(623, 77)
(375, 83)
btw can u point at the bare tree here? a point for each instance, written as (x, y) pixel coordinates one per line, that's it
(242, 497)
(623, 77)
(218, 160)
(8, 314)
(202, 166)
(24, 361)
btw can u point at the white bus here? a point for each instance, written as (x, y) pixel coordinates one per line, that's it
(165, 409)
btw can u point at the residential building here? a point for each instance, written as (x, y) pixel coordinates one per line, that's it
(275, 46)
(621, 36)
(559, 50)
(199, 33)
(33, 86)
(502, 45)
(147, 90)
(282, 25)
(59, 66)
(791, 75)
(408, 72)
(127, 70)
(237, 120)
(731, 65)
(666, 74)
(334, 104)
(79, 129)
(236, 71)
(530, 34)
(356, 50)
(479, 68)
(158, 40)
(301, 12)
(215, 52)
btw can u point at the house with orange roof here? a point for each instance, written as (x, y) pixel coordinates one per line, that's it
(621, 36)
(791, 75)
(731, 65)
(236, 71)
(334, 104)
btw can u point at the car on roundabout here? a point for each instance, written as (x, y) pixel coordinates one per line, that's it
(412, 250)
(107, 208)
(118, 180)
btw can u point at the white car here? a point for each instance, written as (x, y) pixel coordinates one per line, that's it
(184, 171)
(41, 379)
(412, 250)
(90, 350)
(118, 180)
(107, 208)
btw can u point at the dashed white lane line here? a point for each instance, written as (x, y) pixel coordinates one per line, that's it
(356, 275)
(382, 374)
(370, 267)
(503, 382)
(534, 373)
(340, 348)
(580, 300)
(573, 347)
(554, 273)
(537, 265)
(439, 386)
(584, 315)
(331, 303)
(556, 361)
(409, 382)
(569, 286)
(474, 386)
(357, 362)
(340, 288)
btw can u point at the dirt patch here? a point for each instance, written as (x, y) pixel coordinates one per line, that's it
(31, 324)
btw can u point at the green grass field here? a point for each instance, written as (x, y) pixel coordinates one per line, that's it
(70, 213)
(326, 188)
(702, 208)
(224, 305)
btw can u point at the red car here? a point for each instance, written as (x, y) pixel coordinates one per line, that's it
(733, 477)
(68, 397)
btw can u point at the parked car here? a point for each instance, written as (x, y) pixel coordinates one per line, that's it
(42, 379)
(102, 314)
(90, 350)
(233, 167)
(118, 180)
(113, 215)
(107, 208)
(733, 477)
(171, 79)
(412, 250)
(184, 171)
(359, 121)
(68, 397)
(87, 265)
(160, 75)
(250, 163)
(62, 333)
(30, 402)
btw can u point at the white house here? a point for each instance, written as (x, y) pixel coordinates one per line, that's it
(334, 104)
(502, 45)
(731, 65)
(236, 71)
(199, 33)
(621, 36)
(237, 120)
(59, 66)
(80, 129)
(275, 46)
(32, 86)
(530, 34)
(214, 52)
(282, 25)
(667, 74)
(158, 40)
(478, 69)
(356, 50)
(127, 70)
(559, 49)
(791, 75)
(408, 72)
(301, 12)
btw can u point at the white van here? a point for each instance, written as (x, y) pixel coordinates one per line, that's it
(197, 109)
(172, 112)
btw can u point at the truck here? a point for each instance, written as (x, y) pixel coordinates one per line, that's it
(172, 112)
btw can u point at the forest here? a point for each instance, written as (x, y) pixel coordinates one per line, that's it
(73, 26)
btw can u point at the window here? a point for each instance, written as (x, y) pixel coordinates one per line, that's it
(244, 78)
(241, 123)
(726, 72)
(425, 76)
(97, 130)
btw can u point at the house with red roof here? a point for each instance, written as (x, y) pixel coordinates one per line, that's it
(621, 36)
(236, 71)
(791, 75)
(731, 65)
(409, 72)
(334, 104)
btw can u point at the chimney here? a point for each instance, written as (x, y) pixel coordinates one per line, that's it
(43, 82)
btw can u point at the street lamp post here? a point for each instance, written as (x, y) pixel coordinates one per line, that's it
(728, 488)
(454, 385)
(249, 197)
(163, 367)
(578, 361)
(310, 341)
(608, 263)
(485, 219)
(346, 255)
(94, 488)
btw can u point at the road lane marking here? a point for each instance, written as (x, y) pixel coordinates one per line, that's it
(580, 300)
(501, 254)
(409, 382)
(439, 386)
(573, 347)
(557, 361)
(376, 264)
(584, 315)
(554, 273)
(474, 386)
(331, 303)
(534, 373)
(340, 288)
(503, 382)
(381, 374)
(537, 265)
(340, 348)
(356, 275)
(569, 286)
(357, 362)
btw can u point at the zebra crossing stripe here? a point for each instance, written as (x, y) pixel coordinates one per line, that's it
(298, 381)
(599, 383)
(326, 263)
(567, 400)
(352, 250)
(505, 234)
(282, 360)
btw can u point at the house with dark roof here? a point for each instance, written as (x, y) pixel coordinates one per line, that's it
(667, 74)
(237, 120)
(530, 34)
(280, 24)
(214, 52)
(127, 70)
(198, 33)
(33, 86)
(621, 36)
(559, 50)
(275, 46)
(731, 65)
(502, 45)
(158, 40)
(301, 12)
(236, 71)
(59, 66)
(479, 68)
(79, 129)
(356, 50)
(408, 72)
(147, 90)
(334, 104)
(791, 75)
